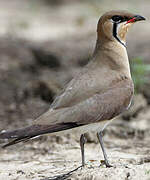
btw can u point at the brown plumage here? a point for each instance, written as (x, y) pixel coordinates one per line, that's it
(99, 93)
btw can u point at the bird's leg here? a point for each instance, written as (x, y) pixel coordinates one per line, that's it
(82, 142)
(100, 136)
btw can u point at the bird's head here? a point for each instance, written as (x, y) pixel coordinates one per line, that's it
(113, 25)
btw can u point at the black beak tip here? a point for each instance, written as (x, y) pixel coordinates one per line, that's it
(139, 18)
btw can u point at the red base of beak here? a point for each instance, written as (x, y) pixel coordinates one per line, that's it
(131, 20)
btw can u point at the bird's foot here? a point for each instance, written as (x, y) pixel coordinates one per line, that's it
(83, 165)
(106, 163)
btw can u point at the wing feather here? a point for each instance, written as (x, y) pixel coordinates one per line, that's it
(99, 107)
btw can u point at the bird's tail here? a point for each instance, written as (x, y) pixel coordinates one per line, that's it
(29, 132)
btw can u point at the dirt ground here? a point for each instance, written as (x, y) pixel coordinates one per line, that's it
(40, 51)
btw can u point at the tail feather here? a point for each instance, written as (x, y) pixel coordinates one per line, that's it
(27, 133)
(15, 141)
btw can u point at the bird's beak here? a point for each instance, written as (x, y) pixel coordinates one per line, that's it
(136, 18)
(139, 18)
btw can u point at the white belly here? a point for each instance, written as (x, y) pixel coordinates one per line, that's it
(94, 127)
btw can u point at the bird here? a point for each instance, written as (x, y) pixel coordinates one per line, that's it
(94, 97)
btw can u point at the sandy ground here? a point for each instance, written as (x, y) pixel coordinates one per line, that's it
(42, 161)
(127, 141)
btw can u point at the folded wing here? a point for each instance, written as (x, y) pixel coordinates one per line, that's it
(97, 108)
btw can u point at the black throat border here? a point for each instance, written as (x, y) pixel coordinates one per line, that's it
(115, 34)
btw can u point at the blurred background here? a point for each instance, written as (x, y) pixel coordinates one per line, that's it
(44, 43)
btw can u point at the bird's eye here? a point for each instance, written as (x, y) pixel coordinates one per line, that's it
(117, 18)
